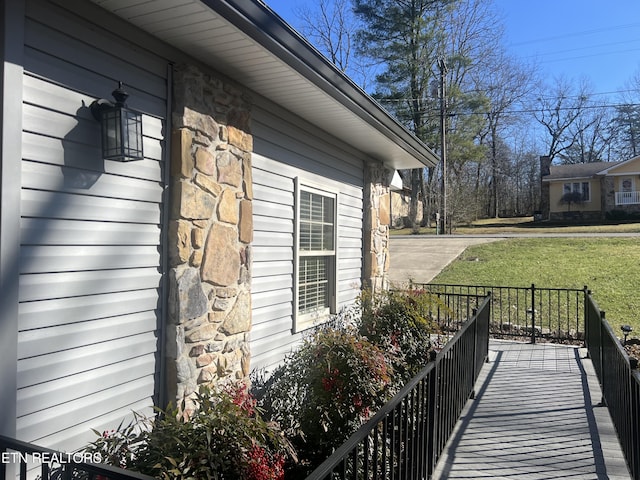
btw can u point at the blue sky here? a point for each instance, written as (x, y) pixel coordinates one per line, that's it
(572, 38)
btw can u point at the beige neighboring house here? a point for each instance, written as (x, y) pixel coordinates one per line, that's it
(604, 189)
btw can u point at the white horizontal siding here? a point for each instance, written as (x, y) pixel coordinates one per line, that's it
(90, 285)
(54, 151)
(35, 398)
(83, 409)
(87, 358)
(45, 286)
(78, 433)
(49, 231)
(286, 150)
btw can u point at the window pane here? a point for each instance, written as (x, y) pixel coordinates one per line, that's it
(316, 222)
(313, 287)
(328, 210)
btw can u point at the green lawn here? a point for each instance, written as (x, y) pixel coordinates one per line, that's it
(527, 225)
(610, 267)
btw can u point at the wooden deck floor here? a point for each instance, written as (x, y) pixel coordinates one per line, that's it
(536, 415)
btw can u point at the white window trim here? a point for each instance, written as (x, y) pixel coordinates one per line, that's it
(580, 182)
(304, 321)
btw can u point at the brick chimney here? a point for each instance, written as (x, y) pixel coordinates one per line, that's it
(545, 169)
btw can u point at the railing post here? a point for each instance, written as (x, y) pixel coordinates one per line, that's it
(433, 417)
(533, 313)
(585, 317)
(600, 346)
(475, 351)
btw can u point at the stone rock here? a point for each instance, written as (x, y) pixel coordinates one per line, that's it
(228, 207)
(201, 122)
(239, 318)
(196, 258)
(180, 249)
(197, 238)
(240, 119)
(207, 374)
(222, 304)
(181, 158)
(192, 202)
(205, 162)
(192, 302)
(221, 264)
(208, 184)
(197, 350)
(248, 176)
(229, 169)
(246, 365)
(385, 215)
(203, 334)
(183, 369)
(246, 221)
(174, 341)
(194, 323)
(204, 360)
(215, 347)
(240, 139)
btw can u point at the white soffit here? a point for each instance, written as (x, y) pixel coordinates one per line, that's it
(247, 41)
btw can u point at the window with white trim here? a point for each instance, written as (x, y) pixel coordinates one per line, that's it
(581, 187)
(316, 256)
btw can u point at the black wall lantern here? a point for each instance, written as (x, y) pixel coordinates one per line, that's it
(120, 127)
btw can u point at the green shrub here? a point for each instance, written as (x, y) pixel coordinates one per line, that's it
(616, 215)
(223, 438)
(325, 390)
(399, 323)
(346, 370)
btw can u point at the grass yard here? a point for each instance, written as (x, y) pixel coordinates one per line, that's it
(610, 267)
(527, 225)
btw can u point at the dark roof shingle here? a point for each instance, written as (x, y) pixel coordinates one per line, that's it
(577, 170)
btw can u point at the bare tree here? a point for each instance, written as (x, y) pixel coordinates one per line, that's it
(506, 84)
(559, 112)
(592, 134)
(331, 26)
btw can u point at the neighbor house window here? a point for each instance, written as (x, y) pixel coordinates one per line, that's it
(316, 256)
(581, 187)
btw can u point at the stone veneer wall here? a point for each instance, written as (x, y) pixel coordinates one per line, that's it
(377, 220)
(211, 228)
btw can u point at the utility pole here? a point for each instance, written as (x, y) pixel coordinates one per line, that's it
(443, 144)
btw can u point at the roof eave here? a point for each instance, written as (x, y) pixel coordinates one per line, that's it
(265, 27)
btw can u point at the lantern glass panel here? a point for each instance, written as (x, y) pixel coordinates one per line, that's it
(131, 135)
(121, 134)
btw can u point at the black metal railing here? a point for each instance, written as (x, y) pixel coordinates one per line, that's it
(619, 380)
(407, 436)
(24, 460)
(554, 314)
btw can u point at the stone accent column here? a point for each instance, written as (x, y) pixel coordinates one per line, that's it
(210, 232)
(377, 220)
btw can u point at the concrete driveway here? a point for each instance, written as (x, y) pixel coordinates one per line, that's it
(420, 258)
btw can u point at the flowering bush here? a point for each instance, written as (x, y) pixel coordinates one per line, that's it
(325, 390)
(399, 323)
(223, 438)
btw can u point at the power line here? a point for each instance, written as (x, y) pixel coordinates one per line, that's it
(527, 111)
(575, 34)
